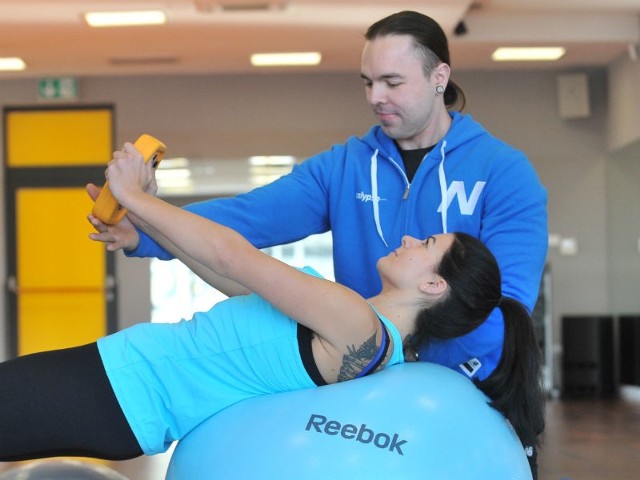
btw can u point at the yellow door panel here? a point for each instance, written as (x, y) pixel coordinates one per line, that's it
(53, 239)
(59, 319)
(66, 137)
(60, 272)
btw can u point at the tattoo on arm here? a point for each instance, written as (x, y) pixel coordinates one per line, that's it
(356, 359)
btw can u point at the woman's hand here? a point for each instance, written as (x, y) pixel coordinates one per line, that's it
(129, 174)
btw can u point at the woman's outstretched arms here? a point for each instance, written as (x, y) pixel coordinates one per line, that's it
(124, 234)
(336, 313)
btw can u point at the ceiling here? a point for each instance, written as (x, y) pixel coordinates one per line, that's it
(218, 36)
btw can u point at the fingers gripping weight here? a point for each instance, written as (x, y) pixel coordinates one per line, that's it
(106, 207)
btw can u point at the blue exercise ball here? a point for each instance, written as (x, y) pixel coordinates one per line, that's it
(61, 469)
(409, 421)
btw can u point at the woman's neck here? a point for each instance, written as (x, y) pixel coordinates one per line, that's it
(402, 312)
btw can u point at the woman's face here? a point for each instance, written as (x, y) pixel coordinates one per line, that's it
(415, 260)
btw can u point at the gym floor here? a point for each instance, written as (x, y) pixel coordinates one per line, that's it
(586, 439)
(589, 439)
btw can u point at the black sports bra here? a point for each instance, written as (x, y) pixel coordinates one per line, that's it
(305, 335)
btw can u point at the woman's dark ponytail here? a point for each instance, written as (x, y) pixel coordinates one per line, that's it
(515, 387)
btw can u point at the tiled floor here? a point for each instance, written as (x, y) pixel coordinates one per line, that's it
(594, 439)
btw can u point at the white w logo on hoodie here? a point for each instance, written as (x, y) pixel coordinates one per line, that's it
(467, 205)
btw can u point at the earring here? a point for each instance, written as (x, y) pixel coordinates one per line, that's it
(439, 89)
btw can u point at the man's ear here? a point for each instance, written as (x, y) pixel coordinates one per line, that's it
(437, 286)
(442, 73)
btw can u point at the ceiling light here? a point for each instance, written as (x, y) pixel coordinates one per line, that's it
(285, 59)
(173, 173)
(279, 171)
(12, 63)
(121, 19)
(527, 54)
(259, 180)
(173, 178)
(178, 162)
(271, 160)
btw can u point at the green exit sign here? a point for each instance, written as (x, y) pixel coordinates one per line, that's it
(58, 88)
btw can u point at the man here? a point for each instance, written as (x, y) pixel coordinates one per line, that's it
(423, 170)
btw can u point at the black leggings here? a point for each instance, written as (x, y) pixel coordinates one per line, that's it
(60, 403)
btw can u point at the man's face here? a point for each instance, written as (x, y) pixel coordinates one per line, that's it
(400, 94)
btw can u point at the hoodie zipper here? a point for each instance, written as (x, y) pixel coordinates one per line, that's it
(374, 189)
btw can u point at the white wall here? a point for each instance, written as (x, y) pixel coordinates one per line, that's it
(236, 116)
(624, 103)
(623, 184)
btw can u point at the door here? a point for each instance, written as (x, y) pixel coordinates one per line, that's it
(60, 291)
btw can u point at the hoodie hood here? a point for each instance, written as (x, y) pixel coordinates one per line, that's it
(462, 129)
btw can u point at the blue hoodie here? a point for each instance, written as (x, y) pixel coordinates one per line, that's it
(359, 191)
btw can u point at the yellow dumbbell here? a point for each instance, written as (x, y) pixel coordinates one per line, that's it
(106, 207)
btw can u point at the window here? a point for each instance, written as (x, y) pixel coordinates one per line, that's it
(177, 293)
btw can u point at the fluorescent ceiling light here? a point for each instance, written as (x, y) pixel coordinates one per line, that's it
(285, 59)
(172, 174)
(279, 171)
(12, 64)
(271, 160)
(178, 162)
(527, 54)
(121, 19)
(259, 180)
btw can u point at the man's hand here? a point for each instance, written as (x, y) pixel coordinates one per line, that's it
(123, 235)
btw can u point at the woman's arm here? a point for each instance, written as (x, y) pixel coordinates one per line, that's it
(223, 284)
(113, 236)
(333, 311)
(283, 211)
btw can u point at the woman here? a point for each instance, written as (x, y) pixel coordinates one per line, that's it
(140, 389)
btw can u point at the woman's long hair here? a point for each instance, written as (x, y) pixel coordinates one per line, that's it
(473, 276)
(514, 387)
